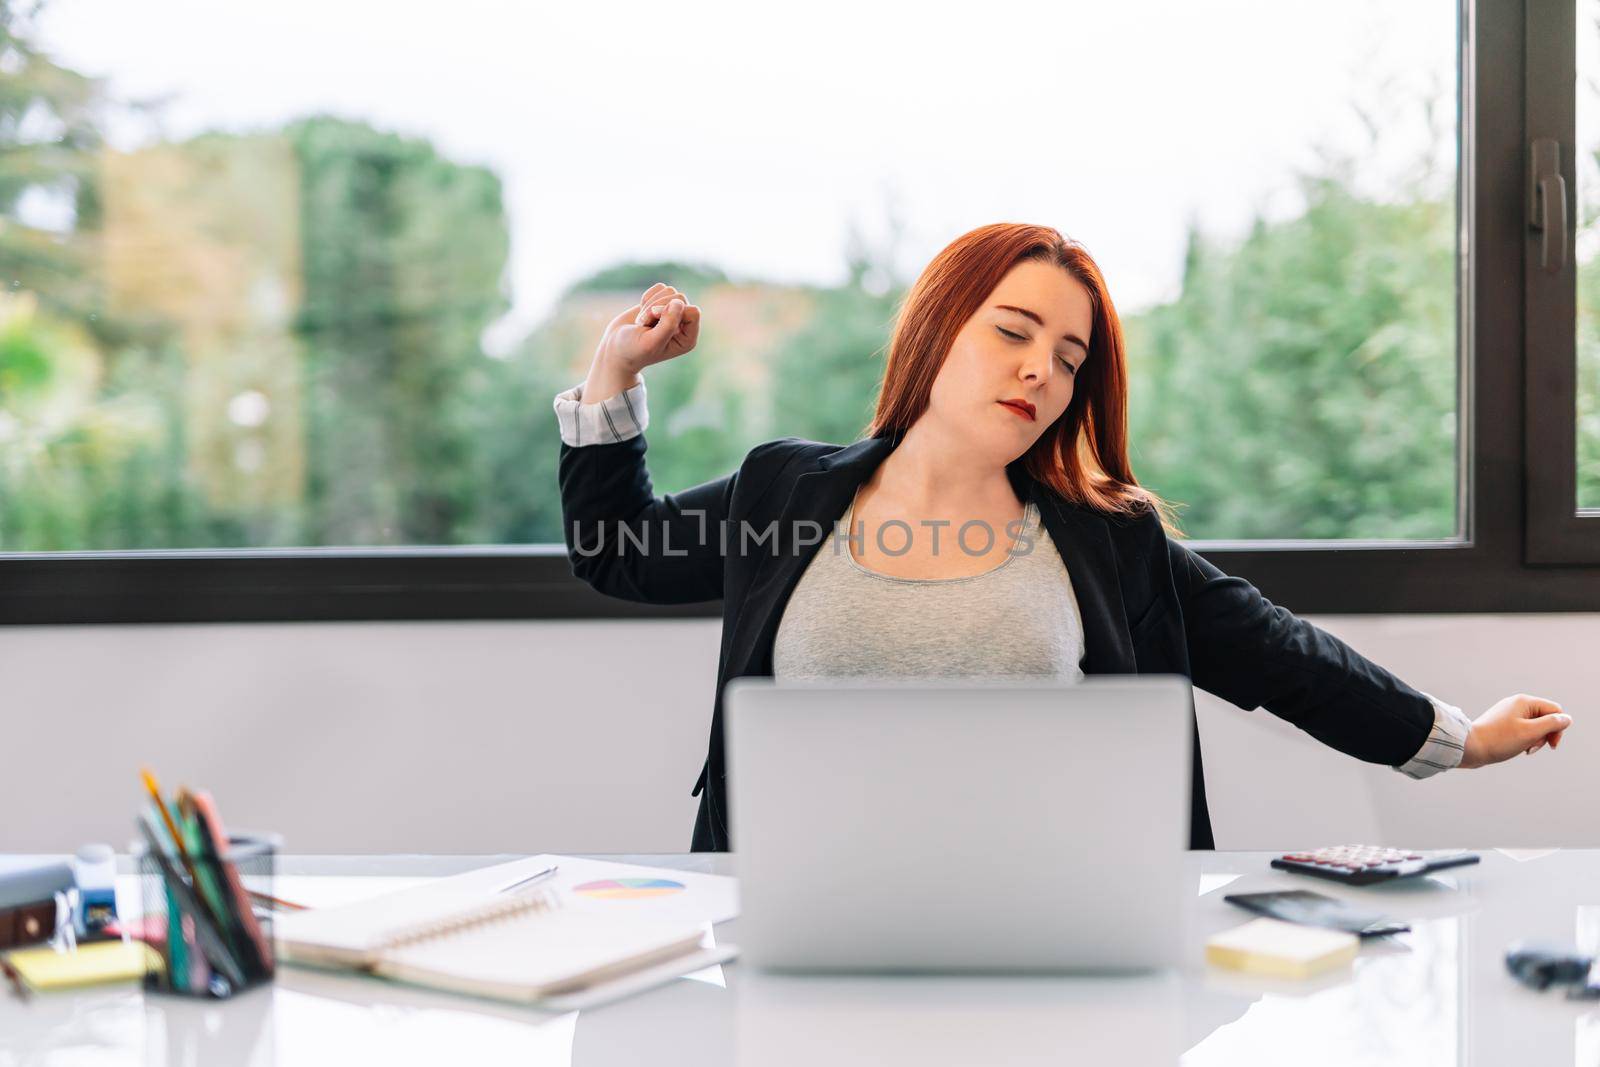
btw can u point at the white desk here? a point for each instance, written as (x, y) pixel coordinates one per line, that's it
(1439, 995)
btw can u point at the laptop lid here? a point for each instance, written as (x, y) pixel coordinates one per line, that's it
(960, 825)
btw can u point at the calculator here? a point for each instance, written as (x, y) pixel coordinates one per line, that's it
(1367, 864)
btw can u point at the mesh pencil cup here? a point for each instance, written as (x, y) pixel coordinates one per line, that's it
(210, 939)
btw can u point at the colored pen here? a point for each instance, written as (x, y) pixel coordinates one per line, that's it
(219, 840)
(213, 867)
(277, 902)
(218, 921)
(207, 935)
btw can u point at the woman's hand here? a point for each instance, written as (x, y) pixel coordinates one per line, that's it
(661, 326)
(1516, 724)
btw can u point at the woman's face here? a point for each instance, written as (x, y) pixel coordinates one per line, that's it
(1026, 343)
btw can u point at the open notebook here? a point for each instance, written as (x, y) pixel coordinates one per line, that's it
(571, 942)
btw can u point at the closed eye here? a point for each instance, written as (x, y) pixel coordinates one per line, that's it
(1067, 363)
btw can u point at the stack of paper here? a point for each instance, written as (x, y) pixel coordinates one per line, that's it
(91, 963)
(1283, 950)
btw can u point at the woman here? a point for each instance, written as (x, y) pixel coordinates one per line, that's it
(1003, 406)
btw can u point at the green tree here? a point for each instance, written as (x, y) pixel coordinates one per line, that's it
(1587, 230)
(49, 137)
(404, 256)
(635, 276)
(1303, 384)
(90, 446)
(829, 374)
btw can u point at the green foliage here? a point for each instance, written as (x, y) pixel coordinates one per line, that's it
(828, 375)
(635, 277)
(1588, 330)
(87, 464)
(1303, 384)
(1588, 344)
(49, 134)
(25, 364)
(403, 254)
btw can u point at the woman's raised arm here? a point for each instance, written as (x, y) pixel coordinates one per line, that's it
(621, 538)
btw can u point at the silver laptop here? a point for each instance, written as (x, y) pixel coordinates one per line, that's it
(961, 826)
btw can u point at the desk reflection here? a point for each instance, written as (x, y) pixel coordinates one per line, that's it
(843, 1021)
(1400, 1003)
(322, 1017)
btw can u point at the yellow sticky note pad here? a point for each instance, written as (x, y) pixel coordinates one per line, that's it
(1284, 950)
(101, 961)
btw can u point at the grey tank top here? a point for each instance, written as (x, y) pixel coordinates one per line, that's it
(1017, 619)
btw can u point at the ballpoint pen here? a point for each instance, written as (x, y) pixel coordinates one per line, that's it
(520, 882)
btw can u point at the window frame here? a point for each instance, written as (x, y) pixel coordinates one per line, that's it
(1558, 532)
(1509, 60)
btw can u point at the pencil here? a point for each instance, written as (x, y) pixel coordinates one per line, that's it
(166, 817)
(177, 841)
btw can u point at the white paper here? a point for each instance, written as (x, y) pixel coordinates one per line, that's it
(704, 898)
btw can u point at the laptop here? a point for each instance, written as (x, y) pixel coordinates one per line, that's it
(931, 825)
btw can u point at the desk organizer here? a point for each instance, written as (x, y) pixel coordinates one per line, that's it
(211, 939)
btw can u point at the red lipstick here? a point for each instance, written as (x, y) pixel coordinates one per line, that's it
(1022, 407)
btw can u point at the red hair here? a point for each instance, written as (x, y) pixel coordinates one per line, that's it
(1083, 456)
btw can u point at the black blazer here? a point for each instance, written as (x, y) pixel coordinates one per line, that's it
(1149, 604)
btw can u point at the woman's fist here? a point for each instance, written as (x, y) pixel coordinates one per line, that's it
(661, 326)
(1516, 724)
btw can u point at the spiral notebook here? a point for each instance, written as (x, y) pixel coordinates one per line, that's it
(461, 934)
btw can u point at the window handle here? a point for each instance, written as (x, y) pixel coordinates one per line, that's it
(1549, 206)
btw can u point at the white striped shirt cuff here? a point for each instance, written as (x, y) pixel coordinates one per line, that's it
(614, 419)
(1446, 743)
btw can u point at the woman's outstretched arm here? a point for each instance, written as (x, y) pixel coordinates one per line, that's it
(1254, 653)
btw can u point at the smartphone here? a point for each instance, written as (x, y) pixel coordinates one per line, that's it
(1313, 909)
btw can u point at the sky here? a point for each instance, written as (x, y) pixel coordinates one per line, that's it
(755, 136)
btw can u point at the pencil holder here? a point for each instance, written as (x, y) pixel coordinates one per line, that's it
(211, 939)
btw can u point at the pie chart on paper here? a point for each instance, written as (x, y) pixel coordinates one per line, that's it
(628, 888)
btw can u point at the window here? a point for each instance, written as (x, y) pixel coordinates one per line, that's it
(285, 348)
(1563, 290)
(316, 330)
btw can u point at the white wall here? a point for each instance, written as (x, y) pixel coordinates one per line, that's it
(587, 736)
